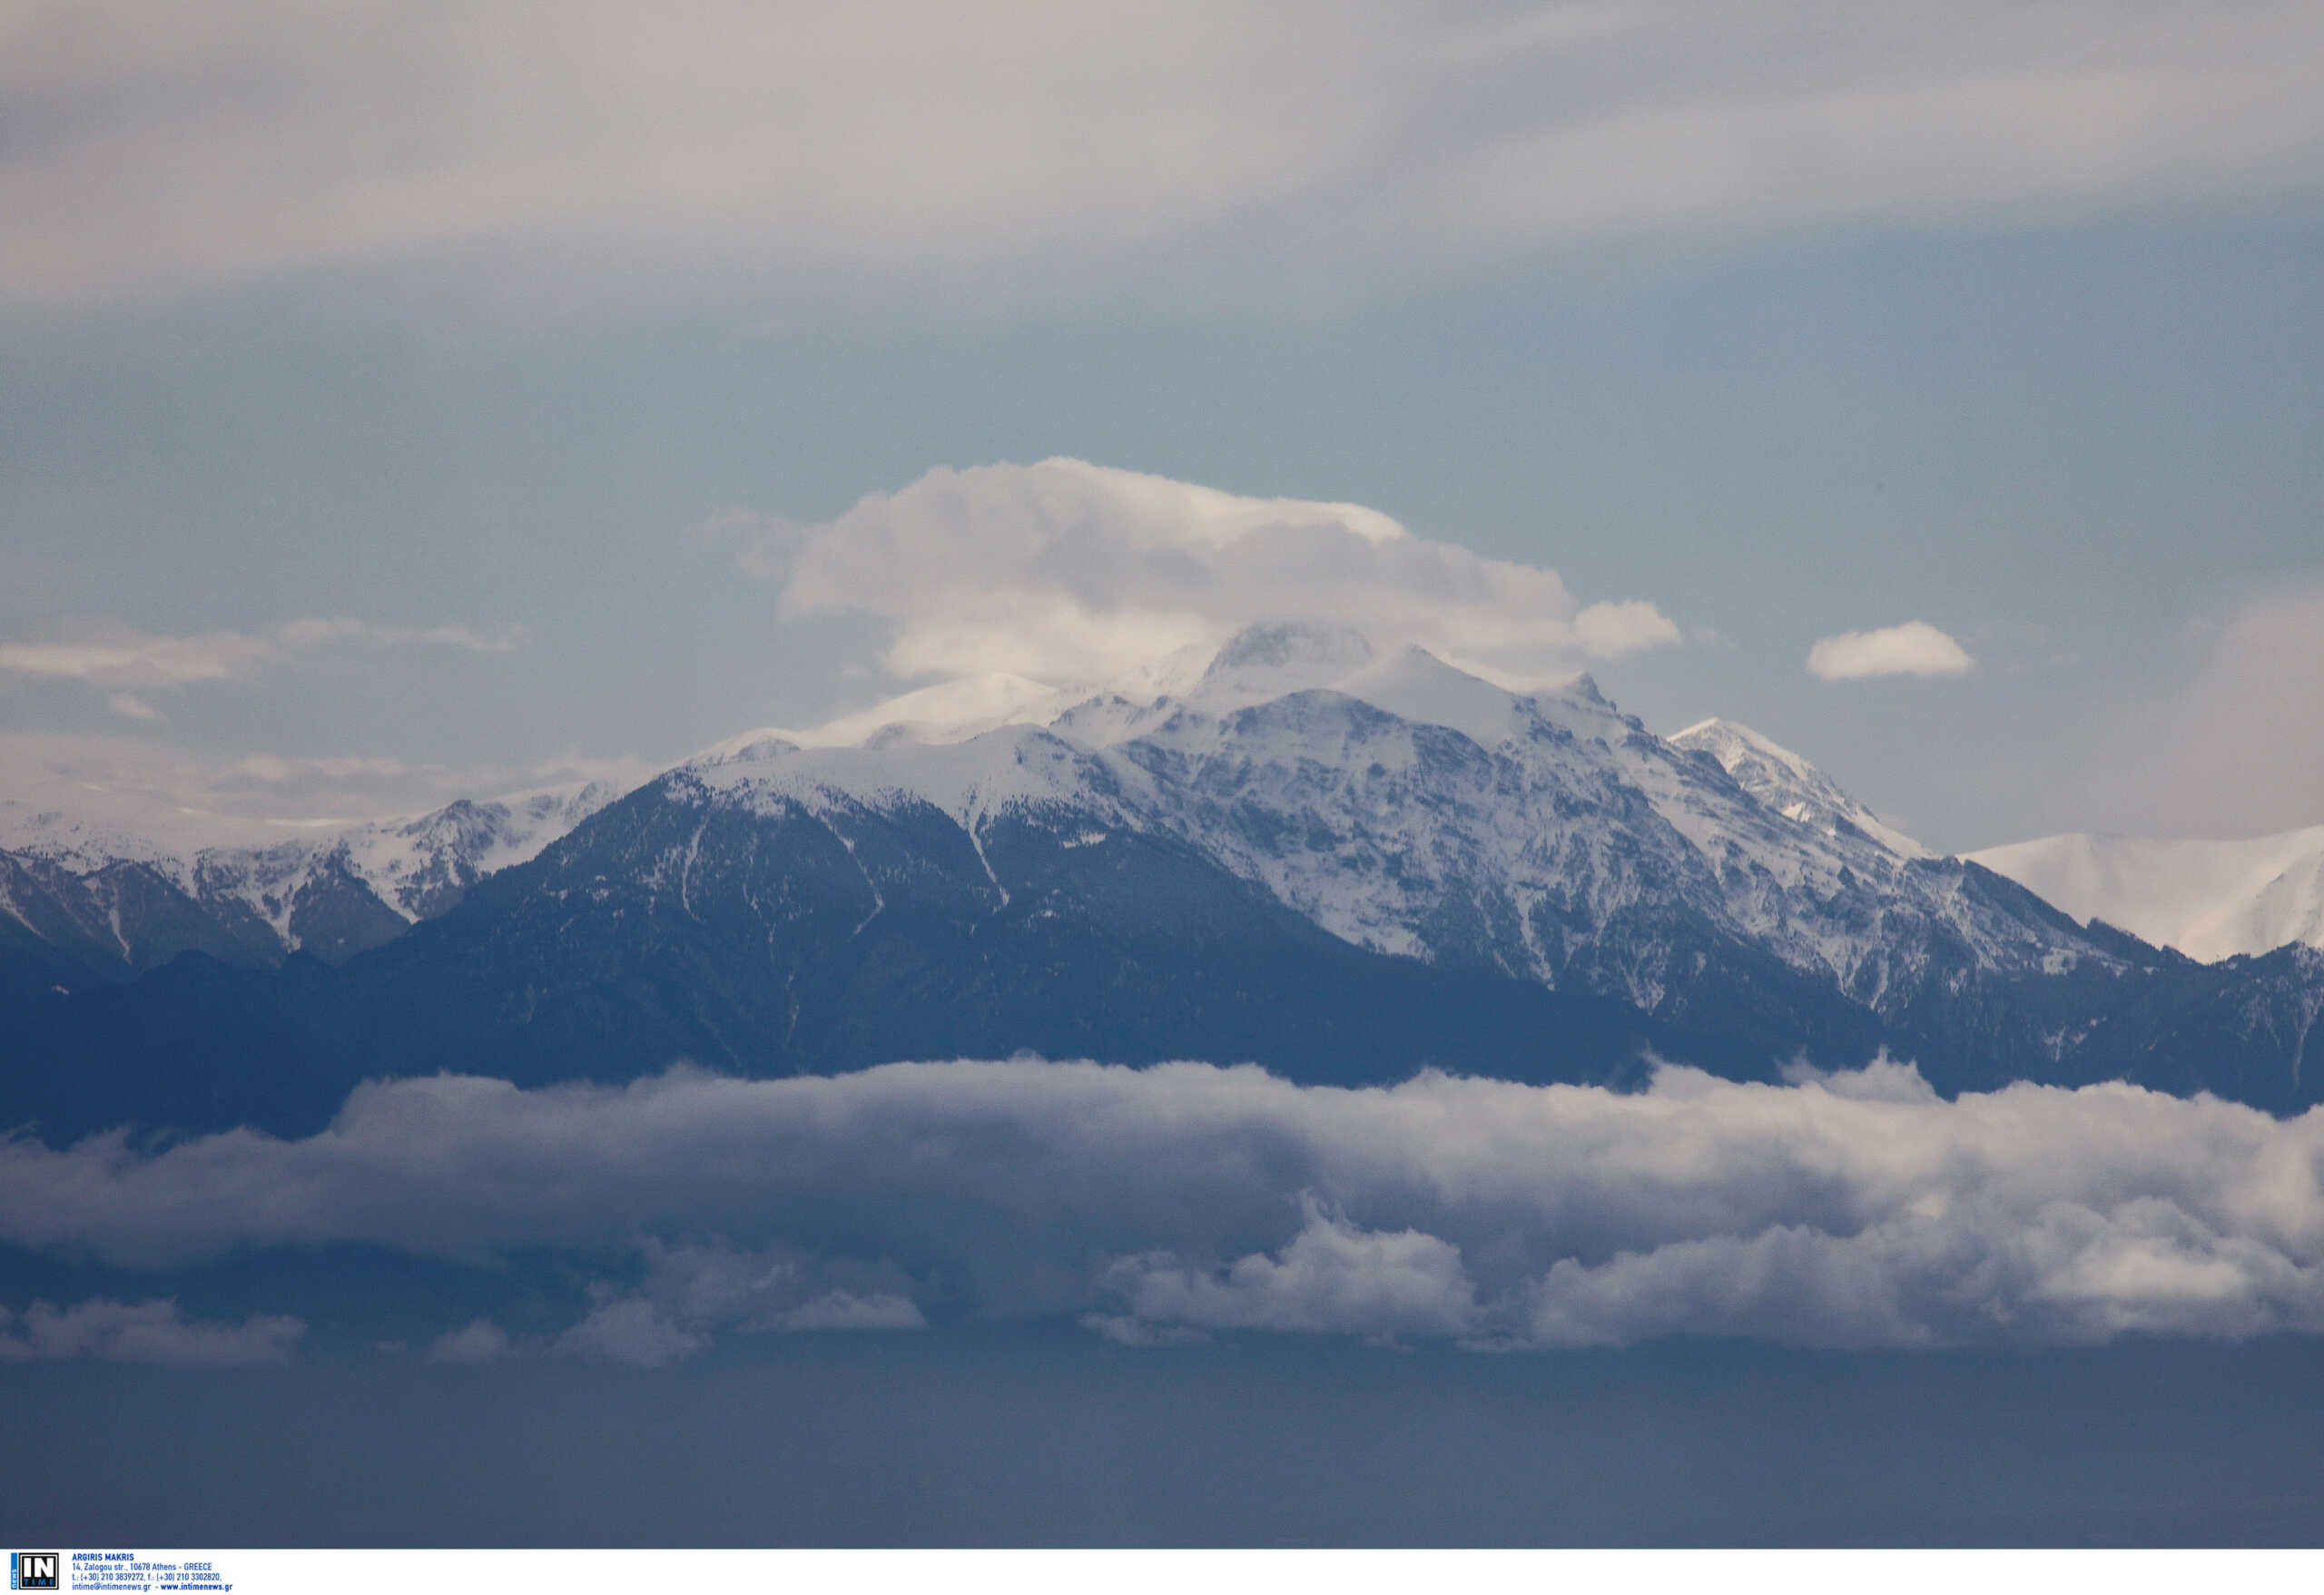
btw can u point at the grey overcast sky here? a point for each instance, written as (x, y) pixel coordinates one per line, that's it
(385, 383)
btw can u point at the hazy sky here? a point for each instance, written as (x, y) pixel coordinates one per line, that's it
(393, 388)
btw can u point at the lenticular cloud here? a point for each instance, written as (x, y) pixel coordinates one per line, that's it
(1066, 572)
(1182, 1201)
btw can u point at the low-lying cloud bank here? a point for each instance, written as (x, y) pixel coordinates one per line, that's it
(1165, 1204)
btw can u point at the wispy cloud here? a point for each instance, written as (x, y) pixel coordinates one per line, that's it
(910, 145)
(57, 786)
(111, 655)
(633, 1331)
(1913, 648)
(144, 1331)
(479, 1340)
(1856, 1209)
(114, 654)
(131, 706)
(2237, 750)
(342, 632)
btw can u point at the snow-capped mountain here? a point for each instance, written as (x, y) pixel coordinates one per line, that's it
(1340, 866)
(2209, 900)
(1414, 810)
(117, 897)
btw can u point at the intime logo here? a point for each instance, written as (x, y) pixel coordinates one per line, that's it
(33, 1570)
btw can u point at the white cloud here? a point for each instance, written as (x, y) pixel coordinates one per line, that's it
(121, 794)
(1069, 573)
(341, 631)
(110, 653)
(633, 1331)
(1853, 1209)
(114, 654)
(479, 1340)
(1139, 1333)
(1332, 1278)
(144, 1331)
(1913, 648)
(842, 1309)
(763, 545)
(904, 146)
(2239, 751)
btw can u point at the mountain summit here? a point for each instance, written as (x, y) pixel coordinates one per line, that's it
(1789, 785)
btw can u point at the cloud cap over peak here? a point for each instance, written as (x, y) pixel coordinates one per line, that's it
(1068, 572)
(1913, 648)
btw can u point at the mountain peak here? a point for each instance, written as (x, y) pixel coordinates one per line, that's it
(1783, 780)
(1276, 644)
(1415, 685)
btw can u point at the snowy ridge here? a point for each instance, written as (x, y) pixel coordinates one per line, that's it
(101, 828)
(417, 868)
(1011, 766)
(1411, 808)
(947, 712)
(1399, 803)
(2210, 900)
(329, 887)
(1789, 785)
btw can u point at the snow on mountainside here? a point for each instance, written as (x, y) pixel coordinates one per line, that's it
(415, 867)
(1398, 803)
(1298, 854)
(116, 887)
(1411, 808)
(1789, 785)
(2210, 900)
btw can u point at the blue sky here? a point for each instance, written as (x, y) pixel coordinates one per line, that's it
(1788, 322)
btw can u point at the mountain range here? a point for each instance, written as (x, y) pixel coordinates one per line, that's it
(1340, 866)
(112, 901)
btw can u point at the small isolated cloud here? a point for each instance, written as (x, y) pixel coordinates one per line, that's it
(345, 633)
(1068, 573)
(633, 1331)
(1913, 648)
(843, 1309)
(1141, 1333)
(480, 1340)
(152, 1332)
(113, 653)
